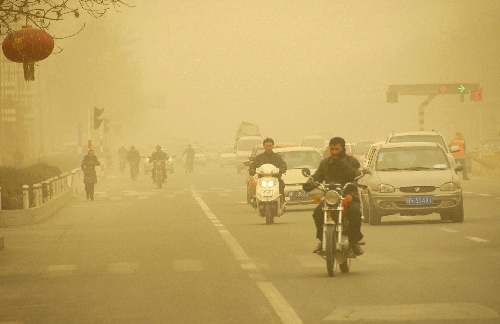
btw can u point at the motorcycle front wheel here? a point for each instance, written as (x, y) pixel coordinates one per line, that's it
(330, 249)
(269, 215)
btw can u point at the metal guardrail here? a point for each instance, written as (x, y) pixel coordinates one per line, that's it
(50, 189)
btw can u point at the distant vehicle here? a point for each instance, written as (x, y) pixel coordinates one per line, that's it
(411, 179)
(245, 129)
(423, 136)
(362, 148)
(169, 164)
(316, 141)
(213, 153)
(491, 146)
(200, 154)
(244, 149)
(228, 156)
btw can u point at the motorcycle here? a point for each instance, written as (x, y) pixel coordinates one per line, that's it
(335, 243)
(268, 200)
(159, 172)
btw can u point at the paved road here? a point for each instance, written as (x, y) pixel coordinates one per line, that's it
(196, 252)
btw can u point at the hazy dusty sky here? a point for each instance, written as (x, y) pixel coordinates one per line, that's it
(198, 68)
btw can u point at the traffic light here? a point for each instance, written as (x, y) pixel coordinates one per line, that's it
(476, 95)
(97, 113)
(392, 97)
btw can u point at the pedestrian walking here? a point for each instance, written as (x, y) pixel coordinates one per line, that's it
(89, 163)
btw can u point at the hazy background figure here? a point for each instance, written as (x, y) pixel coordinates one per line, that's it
(189, 153)
(89, 163)
(459, 156)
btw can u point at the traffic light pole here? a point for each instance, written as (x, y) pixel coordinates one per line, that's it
(421, 111)
(89, 128)
(432, 91)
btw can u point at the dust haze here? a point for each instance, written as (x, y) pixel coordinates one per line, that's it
(191, 71)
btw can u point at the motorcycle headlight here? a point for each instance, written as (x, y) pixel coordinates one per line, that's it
(449, 186)
(385, 188)
(267, 183)
(332, 197)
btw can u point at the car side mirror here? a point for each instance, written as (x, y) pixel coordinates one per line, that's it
(246, 163)
(454, 148)
(459, 168)
(366, 170)
(306, 172)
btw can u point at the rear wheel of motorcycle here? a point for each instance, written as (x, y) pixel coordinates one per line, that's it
(330, 249)
(269, 215)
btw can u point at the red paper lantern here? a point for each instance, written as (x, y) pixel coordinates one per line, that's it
(27, 46)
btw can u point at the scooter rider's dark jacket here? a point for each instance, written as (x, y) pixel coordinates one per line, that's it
(271, 158)
(341, 170)
(158, 156)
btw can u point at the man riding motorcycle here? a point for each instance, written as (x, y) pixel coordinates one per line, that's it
(159, 155)
(268, 156)
(339, 168)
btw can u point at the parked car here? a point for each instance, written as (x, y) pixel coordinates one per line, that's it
(169, 164)
(411, 179)
(227, 156)
(250, 181)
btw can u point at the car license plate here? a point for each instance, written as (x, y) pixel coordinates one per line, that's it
(267, 193)
(419, 200)
(298, 194)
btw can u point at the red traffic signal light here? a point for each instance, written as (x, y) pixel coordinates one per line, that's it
(477, 95)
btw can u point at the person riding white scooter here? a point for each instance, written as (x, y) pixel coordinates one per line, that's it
(269, 157)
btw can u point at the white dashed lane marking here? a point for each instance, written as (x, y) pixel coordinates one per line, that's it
(476, 239)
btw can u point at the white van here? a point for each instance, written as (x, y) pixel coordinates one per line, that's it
(244, 149)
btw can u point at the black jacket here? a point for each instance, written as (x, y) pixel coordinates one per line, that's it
(341, 170)
(158, 156)
(271, 158)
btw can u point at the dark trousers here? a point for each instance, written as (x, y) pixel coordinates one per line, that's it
(464, 167)
(353, 217)
(89, 190)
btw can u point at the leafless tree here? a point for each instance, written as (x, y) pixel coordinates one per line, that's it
(42, 13)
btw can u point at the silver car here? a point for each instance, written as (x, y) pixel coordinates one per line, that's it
(411, 179)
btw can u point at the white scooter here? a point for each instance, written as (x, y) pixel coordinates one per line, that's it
(268, 201)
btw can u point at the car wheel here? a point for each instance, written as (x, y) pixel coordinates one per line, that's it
(458, 216)
(374, 217)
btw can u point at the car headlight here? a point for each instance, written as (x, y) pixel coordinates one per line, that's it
(449, 186)
(332, 197)
(385, 188)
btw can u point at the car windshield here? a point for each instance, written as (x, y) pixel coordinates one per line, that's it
(419, 138)
(247, 145)
(411, 158)
(301, 159)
